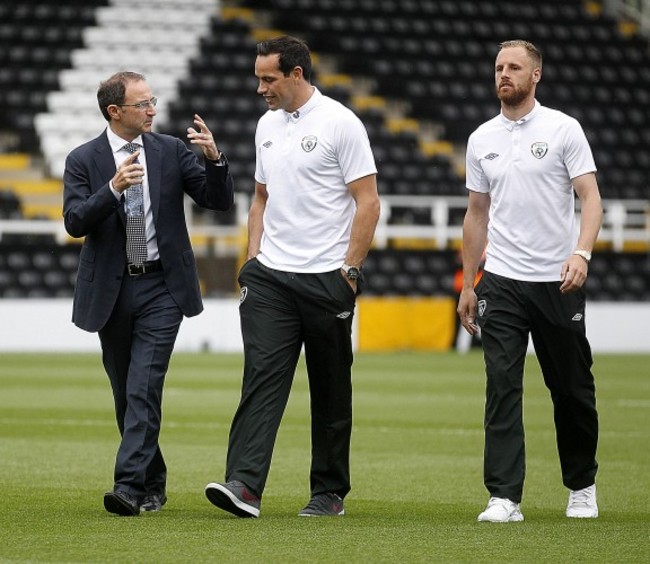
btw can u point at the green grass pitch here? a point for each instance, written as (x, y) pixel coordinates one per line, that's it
(416, 468)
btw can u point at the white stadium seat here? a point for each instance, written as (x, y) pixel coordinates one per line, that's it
(157, 39)
(145, 18)
(147, 60)
(110, 37)
(82, 79)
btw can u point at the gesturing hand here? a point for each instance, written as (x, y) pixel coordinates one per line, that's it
(203, 138)
(128, 174)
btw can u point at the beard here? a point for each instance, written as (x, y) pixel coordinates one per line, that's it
(515, 96)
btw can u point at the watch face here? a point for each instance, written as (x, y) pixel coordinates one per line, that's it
(353, 273)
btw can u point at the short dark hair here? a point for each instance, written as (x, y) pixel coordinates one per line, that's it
(113, 90)
(533, 52)
(293, 53)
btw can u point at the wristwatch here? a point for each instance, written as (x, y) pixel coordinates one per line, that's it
(582, 253)
(352, 272)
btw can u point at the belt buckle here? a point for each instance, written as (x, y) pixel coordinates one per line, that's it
(135, 269)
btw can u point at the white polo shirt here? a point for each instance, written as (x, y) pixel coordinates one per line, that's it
(527, 166)
(306, 159)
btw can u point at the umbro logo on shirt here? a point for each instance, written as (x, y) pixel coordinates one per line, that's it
(267, 144)
(343, 315)
(491, 156)
(577, 317)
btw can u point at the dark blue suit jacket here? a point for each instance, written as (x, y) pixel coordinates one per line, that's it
(91, 210)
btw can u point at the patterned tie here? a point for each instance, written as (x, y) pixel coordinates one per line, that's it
(136, 238)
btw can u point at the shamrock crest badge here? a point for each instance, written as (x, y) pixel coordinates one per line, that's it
(539, 149)
(309, 143)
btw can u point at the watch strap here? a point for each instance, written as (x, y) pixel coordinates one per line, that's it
(352, 272)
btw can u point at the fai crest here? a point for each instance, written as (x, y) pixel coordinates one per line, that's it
(482, 305)
(539, 149)
(309, 143)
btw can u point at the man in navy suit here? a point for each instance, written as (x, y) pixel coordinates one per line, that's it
(137, 307)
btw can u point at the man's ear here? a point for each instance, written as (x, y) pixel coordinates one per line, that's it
(113, 111)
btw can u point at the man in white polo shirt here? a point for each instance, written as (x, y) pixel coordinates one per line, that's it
(310, 226)
(523, 168)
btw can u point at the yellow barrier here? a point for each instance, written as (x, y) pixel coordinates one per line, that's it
(405, 323)
(13, 162)
(36, 187)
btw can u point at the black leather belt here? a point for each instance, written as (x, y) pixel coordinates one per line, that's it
(144, 268)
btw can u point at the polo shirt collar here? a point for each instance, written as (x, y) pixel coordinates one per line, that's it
(510, 125)
(307, 107)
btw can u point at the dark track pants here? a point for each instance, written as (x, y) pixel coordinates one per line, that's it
(281, 311)
(508, 311)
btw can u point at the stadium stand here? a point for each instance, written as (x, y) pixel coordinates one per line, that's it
(613, 277)
(36, 39)
(47, 269)
(37, 270)
(438, 56)
(126, 36)
(418, 73)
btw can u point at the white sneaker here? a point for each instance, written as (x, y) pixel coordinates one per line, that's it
(501, 510)
(582, 503)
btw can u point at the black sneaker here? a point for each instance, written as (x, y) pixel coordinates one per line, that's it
(323, 505)
(234, 497)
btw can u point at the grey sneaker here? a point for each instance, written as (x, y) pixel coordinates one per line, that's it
(234, 497)
(323, 505)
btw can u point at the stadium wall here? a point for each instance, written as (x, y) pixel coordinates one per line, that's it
(385, 324)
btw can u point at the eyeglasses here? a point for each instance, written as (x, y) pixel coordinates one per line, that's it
(141, 106)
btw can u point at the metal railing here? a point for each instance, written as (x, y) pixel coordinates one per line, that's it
(625, 223)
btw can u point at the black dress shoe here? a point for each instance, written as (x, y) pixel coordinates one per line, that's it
(153, 502)
(121, 503)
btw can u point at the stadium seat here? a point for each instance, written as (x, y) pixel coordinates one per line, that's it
(10, 207)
